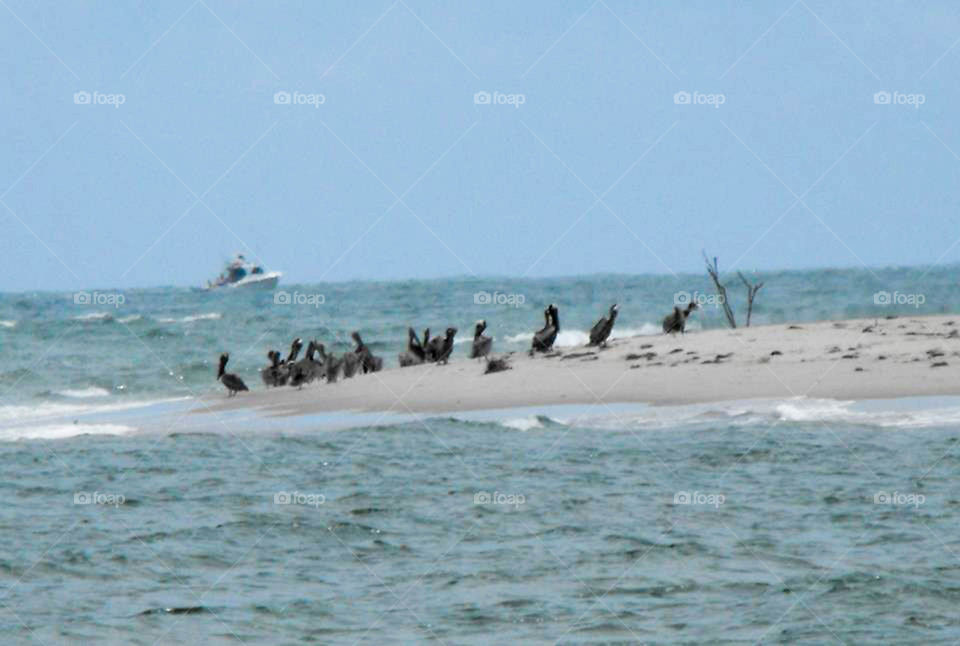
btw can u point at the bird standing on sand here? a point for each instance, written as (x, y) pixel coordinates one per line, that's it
(233, 383)
(601, 331)
(440, 348)
(676, 321)
(368, 361)
(543, 340)
(305, 370)
(271, 374)
(481, 344)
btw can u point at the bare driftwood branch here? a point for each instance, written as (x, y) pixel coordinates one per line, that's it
(714, 272)
(751, 293)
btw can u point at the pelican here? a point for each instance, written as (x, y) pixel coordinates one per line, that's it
(676, 321)
(543, 340)
(233, 383)
(601, 331)
(481, 344)
(441, 348)
(415, 353)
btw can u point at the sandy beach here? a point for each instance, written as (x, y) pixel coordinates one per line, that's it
(850, 359)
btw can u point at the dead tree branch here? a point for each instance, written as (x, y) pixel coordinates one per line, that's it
(751, 293)
(714, 272)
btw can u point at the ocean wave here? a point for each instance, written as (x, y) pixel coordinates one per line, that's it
(209, 316)
(83, 393)
(8, 324)
(573, 338)
(899, 413)
(130, 319)
(94, 316)
(56, 411)
(530, 422)
(60, 431)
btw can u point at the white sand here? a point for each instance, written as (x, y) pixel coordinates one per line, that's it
(853, 359)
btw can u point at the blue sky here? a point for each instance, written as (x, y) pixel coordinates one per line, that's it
(400, 174)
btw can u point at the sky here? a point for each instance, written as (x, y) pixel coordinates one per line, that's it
(145, 142)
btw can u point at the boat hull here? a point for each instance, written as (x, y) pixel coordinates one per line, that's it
(268, 280)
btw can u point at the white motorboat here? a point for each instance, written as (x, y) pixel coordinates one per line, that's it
(240, 273)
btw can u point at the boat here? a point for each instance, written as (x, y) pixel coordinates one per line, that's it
(240, 273)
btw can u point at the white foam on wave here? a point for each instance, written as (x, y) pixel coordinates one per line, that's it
(573, 338)
(565, 339)
(209, 316)
(84, 393)
(523, 423)
(893, 414)
(94, 316)
(130, 319)
(51, 411)
(8, 324)
(60, 431)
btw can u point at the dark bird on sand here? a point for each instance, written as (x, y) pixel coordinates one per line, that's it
(305, 370)
(368, 361)
(481, 344)
(332, 366)
(233, 383)
(676, 321)
(544, 338)
(271, 374)
(441, 347)
(351, 363)
(414, 354)
(496, 365)
(601, 331)
(283, 368)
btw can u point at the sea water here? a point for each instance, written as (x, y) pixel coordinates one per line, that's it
(128, 519)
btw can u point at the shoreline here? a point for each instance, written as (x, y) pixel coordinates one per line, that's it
(852, 359)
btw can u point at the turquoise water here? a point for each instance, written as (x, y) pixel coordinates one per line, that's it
(129, 520)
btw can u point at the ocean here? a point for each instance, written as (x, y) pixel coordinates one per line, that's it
(131, 520)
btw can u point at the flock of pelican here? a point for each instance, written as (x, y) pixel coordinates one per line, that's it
(317, 364)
